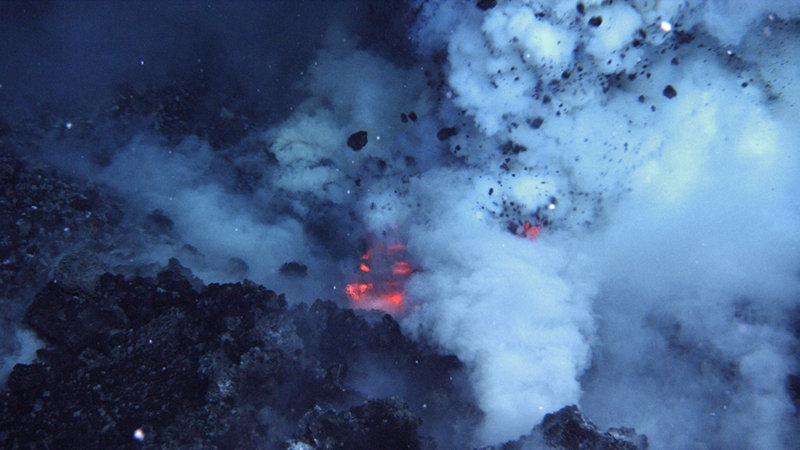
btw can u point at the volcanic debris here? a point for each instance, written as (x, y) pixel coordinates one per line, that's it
(357, 140)
(43, 215)
(226, 365)
(485, 5)
(568, 428)
(446, 133)
(160, 361)
(374, 424)
(294, 269)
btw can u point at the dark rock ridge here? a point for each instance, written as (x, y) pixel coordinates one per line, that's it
(385, 423)
(169, 362)
(228, 366)
(568, 428)
(41, 215)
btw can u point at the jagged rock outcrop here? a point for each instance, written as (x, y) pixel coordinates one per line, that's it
(568, 428)
(167, 362)
(228, 365)
(384, 423)
(43, 214)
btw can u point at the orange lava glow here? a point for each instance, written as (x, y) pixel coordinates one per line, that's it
(383, 272)
(357, 291)
(402, 268)
(527, 230)
(531, 231)
(370, 298)
(395, 298)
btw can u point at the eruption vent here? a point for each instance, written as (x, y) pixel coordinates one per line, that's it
(381, 277)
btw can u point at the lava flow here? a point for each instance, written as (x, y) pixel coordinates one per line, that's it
(382, 273)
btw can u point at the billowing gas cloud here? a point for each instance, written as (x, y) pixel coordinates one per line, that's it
(500, 302)
(669, 158)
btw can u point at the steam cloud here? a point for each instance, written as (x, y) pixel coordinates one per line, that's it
(675, 227)
(660, 290)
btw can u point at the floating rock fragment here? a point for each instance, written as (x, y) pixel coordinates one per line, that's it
(357, 140)
(446, 133)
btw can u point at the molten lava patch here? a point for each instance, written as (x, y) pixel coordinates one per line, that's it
(527, 230)
(382, 273)
(531, 231)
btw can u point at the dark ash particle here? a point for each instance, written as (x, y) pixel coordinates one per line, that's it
(357, 140)
(446, 133)
(486, 4)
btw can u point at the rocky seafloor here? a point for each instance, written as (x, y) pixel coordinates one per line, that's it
(154, 362)
(166, 361)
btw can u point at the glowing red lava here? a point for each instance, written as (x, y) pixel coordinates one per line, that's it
(531, 231)
(527, 230)
(383, 272)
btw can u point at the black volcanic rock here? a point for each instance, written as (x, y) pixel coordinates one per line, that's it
(293, 269)
(385, 423)
(357, 140)
(190, 365)
(223, 365)
(485, 5)
(43, 215)
(446, 133)
(568, 428)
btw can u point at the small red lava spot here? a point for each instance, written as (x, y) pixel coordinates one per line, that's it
(531, 231)
(402, 268)
(527, 230)
(383, 272)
